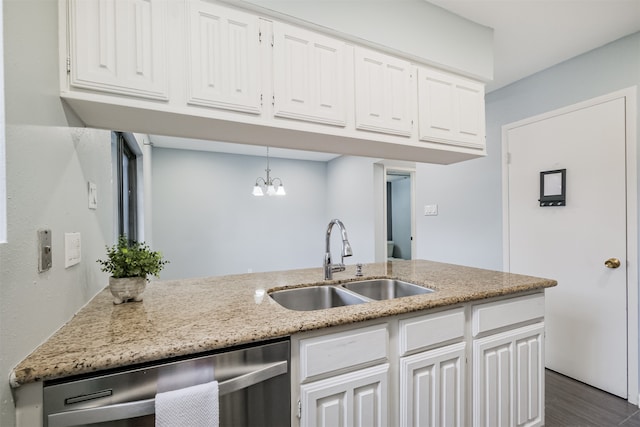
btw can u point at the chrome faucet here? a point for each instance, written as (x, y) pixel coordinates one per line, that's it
(329, 268)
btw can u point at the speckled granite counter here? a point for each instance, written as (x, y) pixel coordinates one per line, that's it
(184, 317)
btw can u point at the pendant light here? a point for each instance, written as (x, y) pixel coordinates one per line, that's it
(270, 186)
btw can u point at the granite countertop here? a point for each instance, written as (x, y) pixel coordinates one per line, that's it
(184, 317)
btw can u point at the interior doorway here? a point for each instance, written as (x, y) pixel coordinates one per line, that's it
(399, 196)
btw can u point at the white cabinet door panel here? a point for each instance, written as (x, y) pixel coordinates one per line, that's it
(432, 387)
(309, 76)
(358, 398)
(451, 109)
(224, 58)
(119, 47)
(383, 93)
(508, 374)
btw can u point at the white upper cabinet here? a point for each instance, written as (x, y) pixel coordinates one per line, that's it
(224, 58)
(383, 93)
(204, 69)
(308, 76)
(119, 46)
(451, 109)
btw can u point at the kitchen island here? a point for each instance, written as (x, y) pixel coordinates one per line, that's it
(188, 317)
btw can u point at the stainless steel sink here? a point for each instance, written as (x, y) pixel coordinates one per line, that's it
(381, 289)
(315, 298)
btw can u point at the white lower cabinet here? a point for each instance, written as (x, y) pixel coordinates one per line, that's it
(509, 378)
(508, 362)
(432, 387)
(355, 399)
(478, 365)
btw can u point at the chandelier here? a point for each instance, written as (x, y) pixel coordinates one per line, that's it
(268, 185)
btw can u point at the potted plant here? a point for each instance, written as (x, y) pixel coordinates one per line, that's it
(129, 263)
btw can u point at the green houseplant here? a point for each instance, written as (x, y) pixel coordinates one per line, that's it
(129, 263)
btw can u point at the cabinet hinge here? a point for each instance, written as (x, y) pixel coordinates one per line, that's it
(299, 409)
(68, 65)
(508, 158)
(260, 36)
(261, 100)
(272, 40)
(273, 100)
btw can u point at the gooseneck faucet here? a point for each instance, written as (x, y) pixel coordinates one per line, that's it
(330, 268)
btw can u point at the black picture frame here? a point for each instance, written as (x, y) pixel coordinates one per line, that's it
(553, 188)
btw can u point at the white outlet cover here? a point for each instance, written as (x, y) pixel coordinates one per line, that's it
(72, 249)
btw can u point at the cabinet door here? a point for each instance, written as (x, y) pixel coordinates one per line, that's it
(118, 46)
(383, 93)
(309, 76)
(224, 58)
(432, 387)
(358, 398)
(508, 376)
(451, 109)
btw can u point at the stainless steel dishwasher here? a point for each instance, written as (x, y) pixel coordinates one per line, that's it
(254, 389)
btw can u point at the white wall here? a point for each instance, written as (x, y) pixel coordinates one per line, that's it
(413, 27)
(468, 228)
(207, 222)
(48, 166)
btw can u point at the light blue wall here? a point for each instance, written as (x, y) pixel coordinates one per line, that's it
(468, 229)
(350, 198)
(207, 222)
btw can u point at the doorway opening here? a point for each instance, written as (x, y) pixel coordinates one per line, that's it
(399, 190)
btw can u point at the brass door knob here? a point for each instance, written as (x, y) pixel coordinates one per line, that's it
(612, 263)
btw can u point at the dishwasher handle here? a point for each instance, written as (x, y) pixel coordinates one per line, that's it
(140, 408)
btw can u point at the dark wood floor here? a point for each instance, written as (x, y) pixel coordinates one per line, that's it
(569, 403)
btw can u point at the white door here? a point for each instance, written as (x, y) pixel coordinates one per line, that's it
(586, 314)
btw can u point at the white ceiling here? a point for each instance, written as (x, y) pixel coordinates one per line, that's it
(529, 36)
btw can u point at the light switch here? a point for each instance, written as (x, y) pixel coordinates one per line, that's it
(430, 210)
(72, 249)
(93, 196)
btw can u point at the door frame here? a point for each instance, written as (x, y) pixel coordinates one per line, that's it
(631, 117)
(412, 202)
(380, 183)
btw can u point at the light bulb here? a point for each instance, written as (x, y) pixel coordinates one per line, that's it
(257, 190)
(280, 191)
(271, 190)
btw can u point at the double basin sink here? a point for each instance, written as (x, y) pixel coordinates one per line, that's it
(328, 296)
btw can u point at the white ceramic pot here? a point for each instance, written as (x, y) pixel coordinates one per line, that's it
(127, 288)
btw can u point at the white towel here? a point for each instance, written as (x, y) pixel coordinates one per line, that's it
(195, 406)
